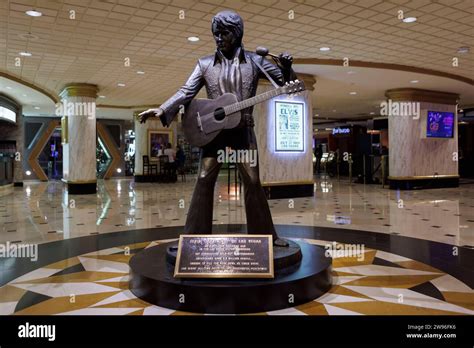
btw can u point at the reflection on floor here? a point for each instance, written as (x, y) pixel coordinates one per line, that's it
(402, 272)
(43, 212)
(368, 282)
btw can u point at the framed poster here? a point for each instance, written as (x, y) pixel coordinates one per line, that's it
(157, 140)
(289, 126)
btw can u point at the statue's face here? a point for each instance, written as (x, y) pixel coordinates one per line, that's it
(225, 39)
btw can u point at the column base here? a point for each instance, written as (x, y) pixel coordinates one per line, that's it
(423, 182)
(288, 190)
(81, 188)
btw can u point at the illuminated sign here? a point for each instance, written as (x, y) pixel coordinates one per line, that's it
(341, 131)
(7, 114)
(289, 126)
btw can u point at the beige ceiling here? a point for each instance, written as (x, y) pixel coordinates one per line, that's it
(91, 48)
(332, 98)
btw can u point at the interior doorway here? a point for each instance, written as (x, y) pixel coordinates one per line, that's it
(50, 158)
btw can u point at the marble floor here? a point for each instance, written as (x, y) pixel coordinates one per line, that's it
(44, 212)
(370, 282)
(418, 257)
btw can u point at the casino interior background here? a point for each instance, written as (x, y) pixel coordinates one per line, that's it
(85, 191)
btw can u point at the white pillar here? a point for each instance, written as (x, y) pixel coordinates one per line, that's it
(284, 173)
(79, 151)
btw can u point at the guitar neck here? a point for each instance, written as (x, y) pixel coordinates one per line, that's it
(233, 108)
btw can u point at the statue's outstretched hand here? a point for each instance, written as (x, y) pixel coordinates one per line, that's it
(143, 116)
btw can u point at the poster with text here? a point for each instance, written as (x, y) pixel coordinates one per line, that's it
(289, 126)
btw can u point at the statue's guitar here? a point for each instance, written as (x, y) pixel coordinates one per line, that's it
(204, 119)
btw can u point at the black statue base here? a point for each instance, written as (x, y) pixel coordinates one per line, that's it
(295, 282)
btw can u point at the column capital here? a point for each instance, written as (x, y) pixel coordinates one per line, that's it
(422, 95)
(309, 81)
(79, 90)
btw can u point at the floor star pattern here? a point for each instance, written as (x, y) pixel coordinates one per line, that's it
(370, 282)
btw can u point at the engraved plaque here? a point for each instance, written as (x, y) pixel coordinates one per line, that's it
(224, 256)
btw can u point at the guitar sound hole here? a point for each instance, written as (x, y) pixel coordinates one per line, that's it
(219, 114)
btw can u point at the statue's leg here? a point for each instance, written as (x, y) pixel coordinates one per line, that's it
(259, 218)
(199, 219)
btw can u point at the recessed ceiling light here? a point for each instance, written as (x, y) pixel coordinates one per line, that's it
(25, 54)
(102, 96)
(317, 115)
(463, 50)
(24, 95)
(372, 113)
(350, 72)
(324, 49)
(37, 107)
(414, 81)
(28, 173)
(352, 93)
(33, 13)
(409, 20)
(193, 38)
(140, 72)
(8, 87)
(121, 84)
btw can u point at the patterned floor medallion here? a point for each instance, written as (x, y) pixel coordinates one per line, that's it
(369, 282)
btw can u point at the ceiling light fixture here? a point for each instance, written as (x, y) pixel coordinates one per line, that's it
(37, 107)
(25, 54)
(324, 49)
(353, 93)
(414, 81)
(33, 13)
(121, 84)
(193, 39)
(8, 87)
(463, 50)
(140, 72)
(102, 96)
(409, 20)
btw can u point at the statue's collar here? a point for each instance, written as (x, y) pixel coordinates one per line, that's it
(240, 53)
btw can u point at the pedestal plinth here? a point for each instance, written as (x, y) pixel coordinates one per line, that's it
(152, 280)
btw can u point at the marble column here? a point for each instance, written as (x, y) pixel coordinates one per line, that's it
(142, 134)
(78, 102)
(15, 132)
(284, 174)
(415, 160)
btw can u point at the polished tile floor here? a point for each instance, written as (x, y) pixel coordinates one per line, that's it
(419, 256)
(43, 212)
(371, 282)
